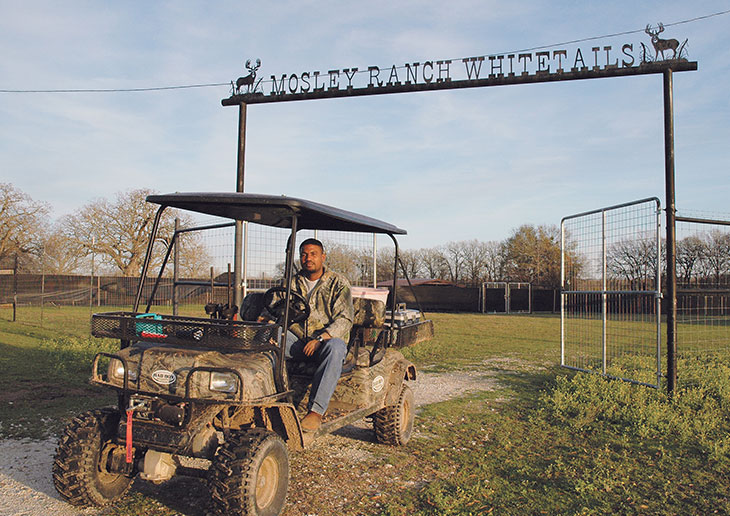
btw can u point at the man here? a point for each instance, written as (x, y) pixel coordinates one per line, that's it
(328, 327)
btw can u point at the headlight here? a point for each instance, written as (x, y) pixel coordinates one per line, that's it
(116, 370)
(223, 382)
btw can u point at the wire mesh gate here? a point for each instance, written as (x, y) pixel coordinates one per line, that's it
(610, 317)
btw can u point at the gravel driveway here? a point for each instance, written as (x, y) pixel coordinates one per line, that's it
(26, 488)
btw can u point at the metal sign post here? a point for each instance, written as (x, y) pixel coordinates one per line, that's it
(238, 243)
(671, 233)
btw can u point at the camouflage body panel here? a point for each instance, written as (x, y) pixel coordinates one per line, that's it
(196, 435)
(277, 417)
(368, 312)
(362, 387)
(256, 370)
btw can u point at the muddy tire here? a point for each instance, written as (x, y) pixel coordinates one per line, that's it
(249, 475)
(394, 423)
(79, 474)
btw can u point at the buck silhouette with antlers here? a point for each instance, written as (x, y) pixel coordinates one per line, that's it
(249, 79)
(660, 45)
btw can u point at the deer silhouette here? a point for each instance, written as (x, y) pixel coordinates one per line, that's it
(660, 45)
(249, 79)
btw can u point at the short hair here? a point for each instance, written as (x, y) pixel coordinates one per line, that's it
(311, 241)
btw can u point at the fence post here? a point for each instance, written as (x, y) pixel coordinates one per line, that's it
(175, 265)
(245, 261)
(15, 286)
(91, 280)
(604, 296)
(375, 260)
(43, 281)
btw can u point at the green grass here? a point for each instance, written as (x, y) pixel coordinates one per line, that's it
(572, 444)
(45, 372)
(547, 441)
(467, 340)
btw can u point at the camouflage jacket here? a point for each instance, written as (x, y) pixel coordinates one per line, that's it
(330, 303)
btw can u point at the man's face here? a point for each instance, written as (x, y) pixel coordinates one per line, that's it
(312, 260)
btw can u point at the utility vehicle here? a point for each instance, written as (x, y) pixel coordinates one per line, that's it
(214, 396)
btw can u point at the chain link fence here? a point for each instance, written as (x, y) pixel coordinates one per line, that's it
(30, 298)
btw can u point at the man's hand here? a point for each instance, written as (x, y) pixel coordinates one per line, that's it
(312, 347)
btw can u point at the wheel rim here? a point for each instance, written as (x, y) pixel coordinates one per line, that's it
(102, 464)
(406, 419)
(267, 482)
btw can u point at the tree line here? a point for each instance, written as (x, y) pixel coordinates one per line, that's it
(114, 233)
(530, 254)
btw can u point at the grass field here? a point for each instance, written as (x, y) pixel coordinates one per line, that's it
(548, 441)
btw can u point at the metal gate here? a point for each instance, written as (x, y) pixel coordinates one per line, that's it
(505, 297)
(610, 313)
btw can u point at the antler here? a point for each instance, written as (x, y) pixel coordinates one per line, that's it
(648, 29)
(661, 28)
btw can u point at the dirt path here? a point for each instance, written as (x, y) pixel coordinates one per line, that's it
(26, 488)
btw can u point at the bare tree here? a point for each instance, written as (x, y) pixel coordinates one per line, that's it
(410, 261)
(454, 254)
(355, 264)
(433, 263)
(57, 256)
(385, 263)
(117, 233)
(22, 222)
(634, 261)
(474, 256)
(690, 252)
(494, 260)
(717, 255)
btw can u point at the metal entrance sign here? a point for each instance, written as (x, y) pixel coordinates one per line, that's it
(558, 64)
(468, 72)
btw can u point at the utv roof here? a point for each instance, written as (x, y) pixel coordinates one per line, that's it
(276, 211)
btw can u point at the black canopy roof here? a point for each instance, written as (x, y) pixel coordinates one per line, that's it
(272, 210)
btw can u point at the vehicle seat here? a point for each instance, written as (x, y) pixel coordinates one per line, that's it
(252, 306)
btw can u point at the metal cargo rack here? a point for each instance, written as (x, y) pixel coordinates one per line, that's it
(186, 331)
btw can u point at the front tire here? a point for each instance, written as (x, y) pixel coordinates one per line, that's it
(79, 472)
(250, 474)
(394, 423)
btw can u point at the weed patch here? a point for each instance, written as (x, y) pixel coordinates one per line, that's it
(570, 444)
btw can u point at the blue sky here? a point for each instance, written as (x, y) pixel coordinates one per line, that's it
(446, 166)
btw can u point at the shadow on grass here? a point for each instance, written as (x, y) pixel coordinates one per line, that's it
(184, 496)
(36, 399)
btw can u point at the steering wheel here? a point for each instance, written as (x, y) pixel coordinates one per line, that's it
(298, 308)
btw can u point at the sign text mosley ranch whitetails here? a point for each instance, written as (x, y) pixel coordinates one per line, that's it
(468, 72)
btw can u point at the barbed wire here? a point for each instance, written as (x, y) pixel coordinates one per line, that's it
(228, 83)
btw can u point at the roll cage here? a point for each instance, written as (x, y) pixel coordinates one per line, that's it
(268, 210)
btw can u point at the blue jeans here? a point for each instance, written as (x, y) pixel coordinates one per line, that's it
(329, 358)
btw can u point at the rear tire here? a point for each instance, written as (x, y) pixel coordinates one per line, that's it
(79, 474)
(249, 475)
(394, 423)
